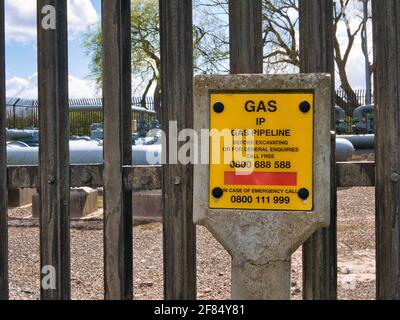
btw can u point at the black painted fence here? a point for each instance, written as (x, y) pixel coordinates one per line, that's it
(54, 176)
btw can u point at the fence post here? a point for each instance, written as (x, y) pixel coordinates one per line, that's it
(317, 55)
(386, 30)
(54, 149)
(3, 167)
(177, 105)
(245, 37)
(245, 29)
(118, 259)
(14, 115)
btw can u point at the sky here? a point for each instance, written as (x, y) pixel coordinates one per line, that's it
(21, 50)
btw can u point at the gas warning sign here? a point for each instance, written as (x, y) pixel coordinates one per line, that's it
(261, 151)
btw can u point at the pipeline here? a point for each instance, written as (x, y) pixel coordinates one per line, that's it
(344, 150)
(364, 119)
(361, 142)
(340, 120)
(82, 152)
(29, 136)
(85, 151)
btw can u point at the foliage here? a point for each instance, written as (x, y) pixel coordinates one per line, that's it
(211, 40)
(210, 43)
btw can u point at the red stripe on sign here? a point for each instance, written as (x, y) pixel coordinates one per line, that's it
(261, 178)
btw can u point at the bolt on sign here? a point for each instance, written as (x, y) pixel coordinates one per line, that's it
(261, 151)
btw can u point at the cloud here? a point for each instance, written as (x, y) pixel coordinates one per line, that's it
(18, 87)
(28, 88)
(20, 20)
(20, 16)
(81, 15)
(22, 88)
(83, 88)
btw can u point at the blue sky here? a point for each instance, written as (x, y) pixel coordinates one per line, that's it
(21, 64)
(21, 50)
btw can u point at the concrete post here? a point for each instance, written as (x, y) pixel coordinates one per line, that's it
(259, 229)
(268, 282)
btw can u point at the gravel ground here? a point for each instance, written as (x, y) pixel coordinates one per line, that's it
(355, 257)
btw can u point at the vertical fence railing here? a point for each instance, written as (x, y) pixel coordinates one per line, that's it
(348, 105)
(177, 105)
(386, 30)
(316, 55)
(179, 231)
(245, 30)
(246, 51)
(3, 167)
(54, 149)
(118, 259)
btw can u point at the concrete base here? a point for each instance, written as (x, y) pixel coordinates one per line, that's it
(270, 281)
(146, 206)
(20, 197)
(83, 201)
(100, 191)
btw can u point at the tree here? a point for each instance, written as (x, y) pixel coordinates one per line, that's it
(341, 58)
(281, 49)
(280, 38)
(364, 45)
(210, 47)
(281, 41)
(146, 46)
(211, 41)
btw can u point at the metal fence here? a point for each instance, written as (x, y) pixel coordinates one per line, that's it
(24, 113)
(349, 102)
(54, 176)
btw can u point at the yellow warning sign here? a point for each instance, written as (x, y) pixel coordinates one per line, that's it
(261, 151)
